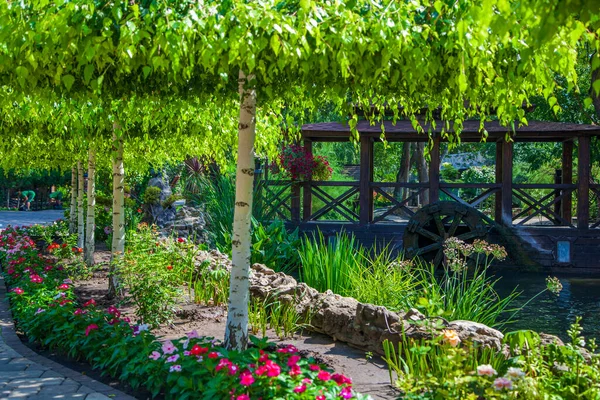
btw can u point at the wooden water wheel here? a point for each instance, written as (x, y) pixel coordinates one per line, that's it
(429, 227)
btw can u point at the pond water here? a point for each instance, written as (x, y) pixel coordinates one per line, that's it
(552, 313)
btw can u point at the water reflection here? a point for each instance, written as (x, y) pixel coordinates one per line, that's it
(551, 313)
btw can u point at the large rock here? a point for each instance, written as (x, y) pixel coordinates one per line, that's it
(362, 325)
(189, 223)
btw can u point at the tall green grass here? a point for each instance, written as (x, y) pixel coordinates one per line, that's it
(327, 265)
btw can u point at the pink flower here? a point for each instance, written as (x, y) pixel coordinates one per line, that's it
(295, 370)
(18, 291)
(261, 370)
(341, 379)
(246, 378)
(233, 369)
(193, 335)
(173, 358)
(223, 363)
(324, 375)
(36, 278)
(243, 397)
(175, 368)
(168, 347)
(39, 311)
(502, 383)
(346, 392)
(90, 328)
(300, 389)
(273, 369)
(63, 286)
(293, 360)
(155, 355)
(288, 349)
(320, 397)
(486, 370)
(314, 367)
(79, 311)
(113, 310)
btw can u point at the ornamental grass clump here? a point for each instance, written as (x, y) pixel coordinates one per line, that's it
(192, 367)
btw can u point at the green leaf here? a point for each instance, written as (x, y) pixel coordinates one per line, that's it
(275, 45)
(596, 86)
(146, 71)
(587, 102)
(68, 81)
(88, 71)
(552, 101)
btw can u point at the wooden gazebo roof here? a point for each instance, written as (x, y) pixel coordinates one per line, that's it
(536, 131)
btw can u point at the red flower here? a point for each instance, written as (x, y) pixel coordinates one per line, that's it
(18, 291)
(293, 360)
(64, 245)
(180, 240)
(295, 370)
(90, 328)
(273, 369)
(198, 350)
(63, 286)
(213, 355)
(169, 267)
(113, 311)
(90, 302)
(341, 379)
(314, 367)
(139, 210)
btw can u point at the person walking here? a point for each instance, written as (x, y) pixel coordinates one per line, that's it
(28, 195)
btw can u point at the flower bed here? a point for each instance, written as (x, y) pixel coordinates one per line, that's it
(46, 310)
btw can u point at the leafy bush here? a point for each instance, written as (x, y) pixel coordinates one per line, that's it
(275, 247)
(153, 273)
(151, 195)
(188, 368)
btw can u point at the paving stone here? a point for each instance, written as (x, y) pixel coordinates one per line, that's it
(37, 381)
(85, 390)
(69, 396)
(52, 374)
(58, 390)
(97, 396)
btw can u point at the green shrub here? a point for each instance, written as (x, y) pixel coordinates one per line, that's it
(275, 247)
(151, 195)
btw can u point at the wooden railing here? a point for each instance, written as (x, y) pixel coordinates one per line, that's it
(547, 204)
(397, 205)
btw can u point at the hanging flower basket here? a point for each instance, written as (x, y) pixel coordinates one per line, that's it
(300, 164)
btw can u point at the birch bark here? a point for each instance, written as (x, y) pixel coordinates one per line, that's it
(80, 219)
(90, 233)
(236, 331)
(73, 209)
(118, 221)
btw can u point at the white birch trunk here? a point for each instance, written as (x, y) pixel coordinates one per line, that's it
(90, 233)
(118, 220)
(73, 209)
(236, 332)
(80, 211)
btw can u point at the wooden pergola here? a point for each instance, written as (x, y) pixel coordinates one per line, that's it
(403, 131)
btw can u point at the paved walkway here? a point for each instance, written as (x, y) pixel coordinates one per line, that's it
(25, 374)
(29, 217)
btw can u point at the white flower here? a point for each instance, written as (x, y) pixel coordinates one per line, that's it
(486, 369)
(582, 343)
(515, 373)
(185, 343)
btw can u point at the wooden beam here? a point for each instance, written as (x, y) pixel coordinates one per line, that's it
(366, 174)
(295, 202)
(567, 178)
(507, 165)
(498, 197)
(307, 189)
(583, 185)
(434, 171)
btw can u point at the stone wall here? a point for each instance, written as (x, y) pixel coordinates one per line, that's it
(364, 326)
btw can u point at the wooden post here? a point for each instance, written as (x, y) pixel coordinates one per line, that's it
(366, 174)
(307, 190)
(507, 164)
(295, 202)
(498, 195)
(567, 178)
(583, 185)
(434, 171)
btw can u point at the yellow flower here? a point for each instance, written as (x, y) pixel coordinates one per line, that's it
(451, 337)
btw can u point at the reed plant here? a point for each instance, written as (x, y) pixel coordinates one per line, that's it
(281, 317)
(328, 264)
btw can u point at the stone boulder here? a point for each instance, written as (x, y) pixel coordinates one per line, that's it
(469, 331)
(189, 223)
(161, 216)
